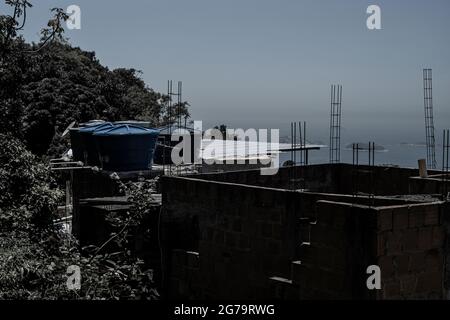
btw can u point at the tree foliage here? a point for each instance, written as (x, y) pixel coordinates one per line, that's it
(46, 86)
(35, 253)
(27, 199)
(43, 88)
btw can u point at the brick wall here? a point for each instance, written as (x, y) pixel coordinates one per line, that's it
(320, 178)
(410, 251)
(408, 243)
(332, 178)
(87, 183)
(243, 235)
(445, 217)
(248, 243)
(342, 245)
(184, 276)
(434, 184)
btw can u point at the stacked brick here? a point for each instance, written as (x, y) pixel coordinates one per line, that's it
(410, 251)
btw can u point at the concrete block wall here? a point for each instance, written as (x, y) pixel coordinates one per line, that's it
(243, 235)
(248, 242)
(434, 184)
(445, 217)
(343, 244)
(320, 178)
(333, 178)
(379, 180)
(407, 243)
(410, 251)
(87, 183)
(184, 276)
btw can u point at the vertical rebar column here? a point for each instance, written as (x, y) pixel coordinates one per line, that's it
(355, 169)
(335, 124)
(174, 114)
(295, 144)
(303, 149)
(291, 181)
(292, 164)
(179, 104)
(298, 131)
(169, 109)
(429, 121)
(304, 144)
(371, 154)
(445, 166)
(303, 154)
(179, 96)
(301, 143)
(371, 166)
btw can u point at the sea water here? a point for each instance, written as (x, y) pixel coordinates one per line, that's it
(404, 155)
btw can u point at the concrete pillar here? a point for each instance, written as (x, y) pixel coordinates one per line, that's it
(423, 168)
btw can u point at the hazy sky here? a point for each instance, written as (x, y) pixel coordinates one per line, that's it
(264, 63)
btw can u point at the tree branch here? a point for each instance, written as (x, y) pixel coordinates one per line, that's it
(110, 239)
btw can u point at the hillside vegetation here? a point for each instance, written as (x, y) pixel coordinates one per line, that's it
(44, 87)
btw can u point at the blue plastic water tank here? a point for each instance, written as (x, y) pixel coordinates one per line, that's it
(126, 147)
(87, 143)
(76, 144)
(80, 139)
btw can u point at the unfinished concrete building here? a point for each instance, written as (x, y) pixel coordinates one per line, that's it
(241, 235)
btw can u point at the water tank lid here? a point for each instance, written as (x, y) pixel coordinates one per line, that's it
(145, 124)
(91, 123)
(96, 127)
(126, 129)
